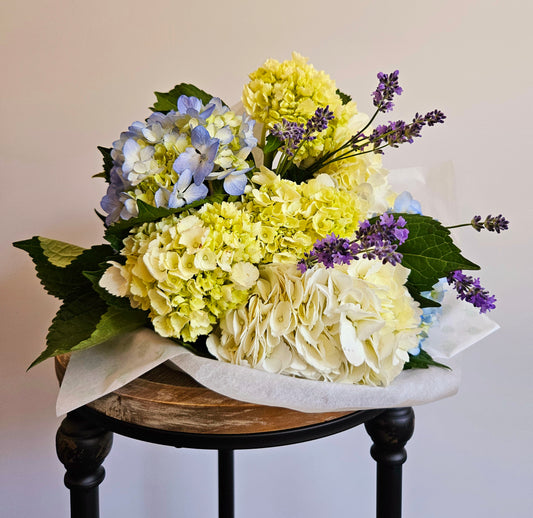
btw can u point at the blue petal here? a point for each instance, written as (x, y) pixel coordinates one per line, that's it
(235, 184)
(189, 159)
(195, 192)
(188, 103)
(200, 138)
(203, 169)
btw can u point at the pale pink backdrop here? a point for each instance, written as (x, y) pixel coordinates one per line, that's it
(75, 74)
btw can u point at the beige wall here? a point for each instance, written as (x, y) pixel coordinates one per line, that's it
(75, 74)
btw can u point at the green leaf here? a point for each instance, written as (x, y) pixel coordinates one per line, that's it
(59, 253)
(272, 144)
(117, 232)
(422, 361)
(345, 98)
(64, 281)
(85, 321)
(168, 101)
(430, 253)
(108, 163)
(54, 279)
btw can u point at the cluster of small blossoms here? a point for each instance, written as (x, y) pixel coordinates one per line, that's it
(189, 269)
(293, 90)
(384, 93)
(293, 134)
(169, 160)
(293, 216)
(491, 223)
(470, 290)
(378, 240)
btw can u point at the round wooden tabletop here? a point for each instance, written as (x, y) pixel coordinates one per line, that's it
(166, 399)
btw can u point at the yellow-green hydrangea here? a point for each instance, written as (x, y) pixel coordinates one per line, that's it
(364, 176)
(293, 90)
(189, 269)
(293, 216)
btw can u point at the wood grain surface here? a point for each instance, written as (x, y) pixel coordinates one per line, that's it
(167, 399)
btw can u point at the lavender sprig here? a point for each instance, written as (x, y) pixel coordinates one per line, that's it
(393, 134)
(378, 240)
(396, 133)
(491, 223)
(384, 93)
(470, 290)
(293, 135)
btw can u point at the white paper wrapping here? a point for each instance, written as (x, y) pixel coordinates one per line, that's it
(104, 368)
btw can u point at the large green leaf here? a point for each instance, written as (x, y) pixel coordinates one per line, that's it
(85, 321)
(116, 233)
(430, 254)
(167, 101)
(59, 265)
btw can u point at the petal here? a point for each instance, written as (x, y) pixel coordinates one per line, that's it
(161, 197)
(351, 345)
(200, 138)
(189, 159)
(203, 169)
(235, 184)
(195, 192)
(184, 180)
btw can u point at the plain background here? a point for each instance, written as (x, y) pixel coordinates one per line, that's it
(75, 74)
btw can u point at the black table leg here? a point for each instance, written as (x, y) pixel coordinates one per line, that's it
(226, 498)
(82, 447)
(390, 431)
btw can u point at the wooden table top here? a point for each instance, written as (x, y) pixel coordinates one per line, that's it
(170, 400)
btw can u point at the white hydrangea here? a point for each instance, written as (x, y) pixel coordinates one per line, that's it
(351, 324)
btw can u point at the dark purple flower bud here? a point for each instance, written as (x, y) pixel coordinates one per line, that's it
(491, 223)
(470, 290)
(319, 121)
(387, 87)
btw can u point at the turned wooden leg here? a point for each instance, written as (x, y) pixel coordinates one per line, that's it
(82, 447)
(389, 432)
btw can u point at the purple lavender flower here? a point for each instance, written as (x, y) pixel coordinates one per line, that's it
(491, 223)
(384, 93)
(290, 133)
(470, 290)
(319, 121)
(398, 132)
(378, 240)
(293, 134)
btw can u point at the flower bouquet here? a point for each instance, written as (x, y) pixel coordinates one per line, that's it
(266, 237)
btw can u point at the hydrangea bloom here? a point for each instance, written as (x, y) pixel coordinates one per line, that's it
(196, 143)
(294, 216)
(293, 90)
(189, 269)
(351, 324)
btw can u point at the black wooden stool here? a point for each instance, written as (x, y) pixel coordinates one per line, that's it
(168, 407)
